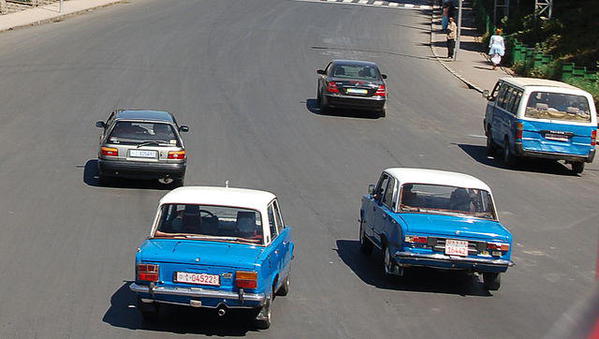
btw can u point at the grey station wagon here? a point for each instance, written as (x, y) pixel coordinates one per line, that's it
(142, 144)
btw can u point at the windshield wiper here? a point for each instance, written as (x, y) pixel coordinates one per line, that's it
(151, 142)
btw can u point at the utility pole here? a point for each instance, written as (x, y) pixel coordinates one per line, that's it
(459, 33)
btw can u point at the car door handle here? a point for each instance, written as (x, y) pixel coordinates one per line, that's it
(276, 251)
(285, 243)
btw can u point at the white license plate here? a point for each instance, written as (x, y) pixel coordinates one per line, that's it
(356, 91)
(456, 247)
(197, 278)
(556, 137)
(138, 153)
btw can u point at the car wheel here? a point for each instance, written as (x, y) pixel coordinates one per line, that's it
(365, 244)
(324, 108)
(178, 182)
(388, 265)
(263, 318)
(491, 148)
(577, 167)
(491, 281)
(148, 311)
(284, 289)
(509, 159)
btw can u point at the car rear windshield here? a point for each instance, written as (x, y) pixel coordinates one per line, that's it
(558, 106)
(205, 222)
(134, 133)
(362, 72)
(441, 199)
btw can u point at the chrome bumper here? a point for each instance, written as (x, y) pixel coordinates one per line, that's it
(453, 259)
(194, 292)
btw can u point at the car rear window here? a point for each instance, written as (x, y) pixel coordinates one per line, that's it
(133, 133)
(363, 72)
(205, 222)
(558, 106)
(441, 199)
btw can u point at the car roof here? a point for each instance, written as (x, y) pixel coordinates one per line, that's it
(219, 196)
(144, 114)
(354, 62)
(526, 82)
(436, 177)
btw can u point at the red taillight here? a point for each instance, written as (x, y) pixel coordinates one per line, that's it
(594, 137)
(519, 129)
(147, 272)
(332, 87)
(497, 246)
(245, 279)
(176, 154)
(416, 239)
(381, 91)
(109, 151)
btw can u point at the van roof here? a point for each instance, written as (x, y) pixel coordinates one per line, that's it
(527, 82)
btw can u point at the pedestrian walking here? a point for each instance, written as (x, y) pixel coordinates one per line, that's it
(452, 28)
(496, 48)
(445, 16)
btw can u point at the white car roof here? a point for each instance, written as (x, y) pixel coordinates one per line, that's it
(436, 177)
(219, 196)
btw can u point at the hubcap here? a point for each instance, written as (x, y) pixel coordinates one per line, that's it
(166, 181)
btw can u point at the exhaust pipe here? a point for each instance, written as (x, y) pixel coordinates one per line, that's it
(221, 312)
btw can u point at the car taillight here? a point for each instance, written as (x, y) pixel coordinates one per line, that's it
(497, 246)
(594, 137)
(109, 151)
(332, 87)
(519, 129)
(416, 239)
(381, 91)
(244, 279)
(176, 155)
(147, 272)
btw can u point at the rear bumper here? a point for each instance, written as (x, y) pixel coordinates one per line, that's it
(140, 170)
(438, 260)
(555, 156)
(375, 103)
(198, 297)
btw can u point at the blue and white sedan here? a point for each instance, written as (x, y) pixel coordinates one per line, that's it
(438, 219)
(215, 247)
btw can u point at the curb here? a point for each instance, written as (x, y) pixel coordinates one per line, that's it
(61, 17)
(456, 74)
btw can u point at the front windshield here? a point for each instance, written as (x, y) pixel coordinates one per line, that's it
(204, 222)
(558, 106)
(441, 199)
(361, 72)
(134, 133)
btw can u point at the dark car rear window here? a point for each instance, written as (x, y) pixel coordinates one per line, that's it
(362, 72)
(131, 132)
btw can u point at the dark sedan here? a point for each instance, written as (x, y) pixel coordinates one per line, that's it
(352, 84)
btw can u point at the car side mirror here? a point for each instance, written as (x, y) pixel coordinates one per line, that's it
(321, 71)
(183, 129)
(101, 124)
(384, 76)
(371, 189)
(486, 94)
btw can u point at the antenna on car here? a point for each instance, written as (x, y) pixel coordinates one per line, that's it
(226, 183)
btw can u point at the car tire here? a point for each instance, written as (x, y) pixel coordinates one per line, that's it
(387, 265)
(491, 281)
(264, 315)
(382, 113)
(178, 182)
(323, 107)
(365, 244)
(509, 159)
(491, 148)
(148, 311)
(577, 167)
(284, 289)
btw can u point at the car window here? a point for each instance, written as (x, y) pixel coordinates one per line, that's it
(496, 90)
(388, 195)
(278, 218)
(512, 107)
(272, 223)
(505, 97)
(382, 184)
(362, 72)
(558, 106)
(501, 94)
(133, 133)
(204, 222)
(328, 68)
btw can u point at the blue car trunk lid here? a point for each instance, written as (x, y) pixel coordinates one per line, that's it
(455, 227)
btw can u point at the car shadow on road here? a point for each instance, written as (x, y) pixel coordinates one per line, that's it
(175, 319)
(479, 153)
(91, 178)
(312, 106)
(369, 268)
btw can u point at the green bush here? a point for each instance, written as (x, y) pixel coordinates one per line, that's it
(587, 85)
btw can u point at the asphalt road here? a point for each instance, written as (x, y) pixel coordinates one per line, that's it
(241, 74)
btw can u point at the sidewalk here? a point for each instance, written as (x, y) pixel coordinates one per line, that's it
(47, 13)
(472, 65)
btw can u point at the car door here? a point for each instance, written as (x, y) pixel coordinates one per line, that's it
(498, 121)
(492, 101)
(276, 240)
(377, 217)
(286, 247)
(386, 209)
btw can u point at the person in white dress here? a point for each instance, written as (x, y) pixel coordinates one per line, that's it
(496, 48)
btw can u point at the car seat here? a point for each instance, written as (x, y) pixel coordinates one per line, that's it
(339, 71)
(460, 200)
(191, 219)
(246, 224)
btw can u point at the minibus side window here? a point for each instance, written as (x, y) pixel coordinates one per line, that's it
(501, 94)
(515, 102)
(505, 98)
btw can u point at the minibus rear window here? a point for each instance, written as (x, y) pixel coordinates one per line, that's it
(558, 106)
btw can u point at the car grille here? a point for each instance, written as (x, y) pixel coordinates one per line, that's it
(474, 247)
